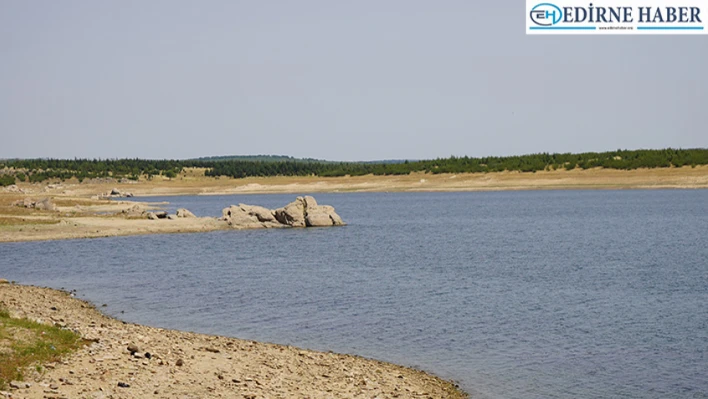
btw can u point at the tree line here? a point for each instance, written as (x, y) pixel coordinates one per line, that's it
(37, 170)
(620, 159)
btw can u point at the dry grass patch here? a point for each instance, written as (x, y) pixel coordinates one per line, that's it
(68, 202)
(25, 343)
(16, 211)
(19, 221)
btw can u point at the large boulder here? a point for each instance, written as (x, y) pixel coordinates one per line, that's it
(261, 213)
(321, 216)
(134, 211)
(45, 205)
(237, 217)
(310, 201)
(292, 214)
(154, 215)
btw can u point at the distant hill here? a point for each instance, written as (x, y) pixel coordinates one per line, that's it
(389, 161)
(287, 158)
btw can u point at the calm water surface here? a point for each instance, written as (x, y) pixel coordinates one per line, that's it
(543, 294)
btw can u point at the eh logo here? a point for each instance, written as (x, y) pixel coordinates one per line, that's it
(546, 14)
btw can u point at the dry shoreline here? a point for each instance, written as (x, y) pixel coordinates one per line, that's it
(191, 365)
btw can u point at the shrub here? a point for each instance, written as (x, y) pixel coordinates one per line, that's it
(7, 180)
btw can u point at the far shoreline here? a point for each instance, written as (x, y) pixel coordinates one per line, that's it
(85, 211)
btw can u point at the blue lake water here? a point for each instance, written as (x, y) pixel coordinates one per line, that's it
(535, 294)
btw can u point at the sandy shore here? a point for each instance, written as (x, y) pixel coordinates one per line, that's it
(81, 215)
(190, 365)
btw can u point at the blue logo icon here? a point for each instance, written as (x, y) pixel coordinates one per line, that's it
(546, 14)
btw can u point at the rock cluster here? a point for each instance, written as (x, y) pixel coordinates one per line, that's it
(45, 204)
(134, 211)
(154, 215)
(114, 193)
(12, 188)
(303, 212)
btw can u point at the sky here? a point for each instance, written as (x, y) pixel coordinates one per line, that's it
(336, 80)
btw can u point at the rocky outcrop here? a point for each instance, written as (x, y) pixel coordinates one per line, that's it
(303, 212)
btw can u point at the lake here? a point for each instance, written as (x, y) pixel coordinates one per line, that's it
(529, 294)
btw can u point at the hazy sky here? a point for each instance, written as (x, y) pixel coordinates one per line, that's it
(341, 80)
